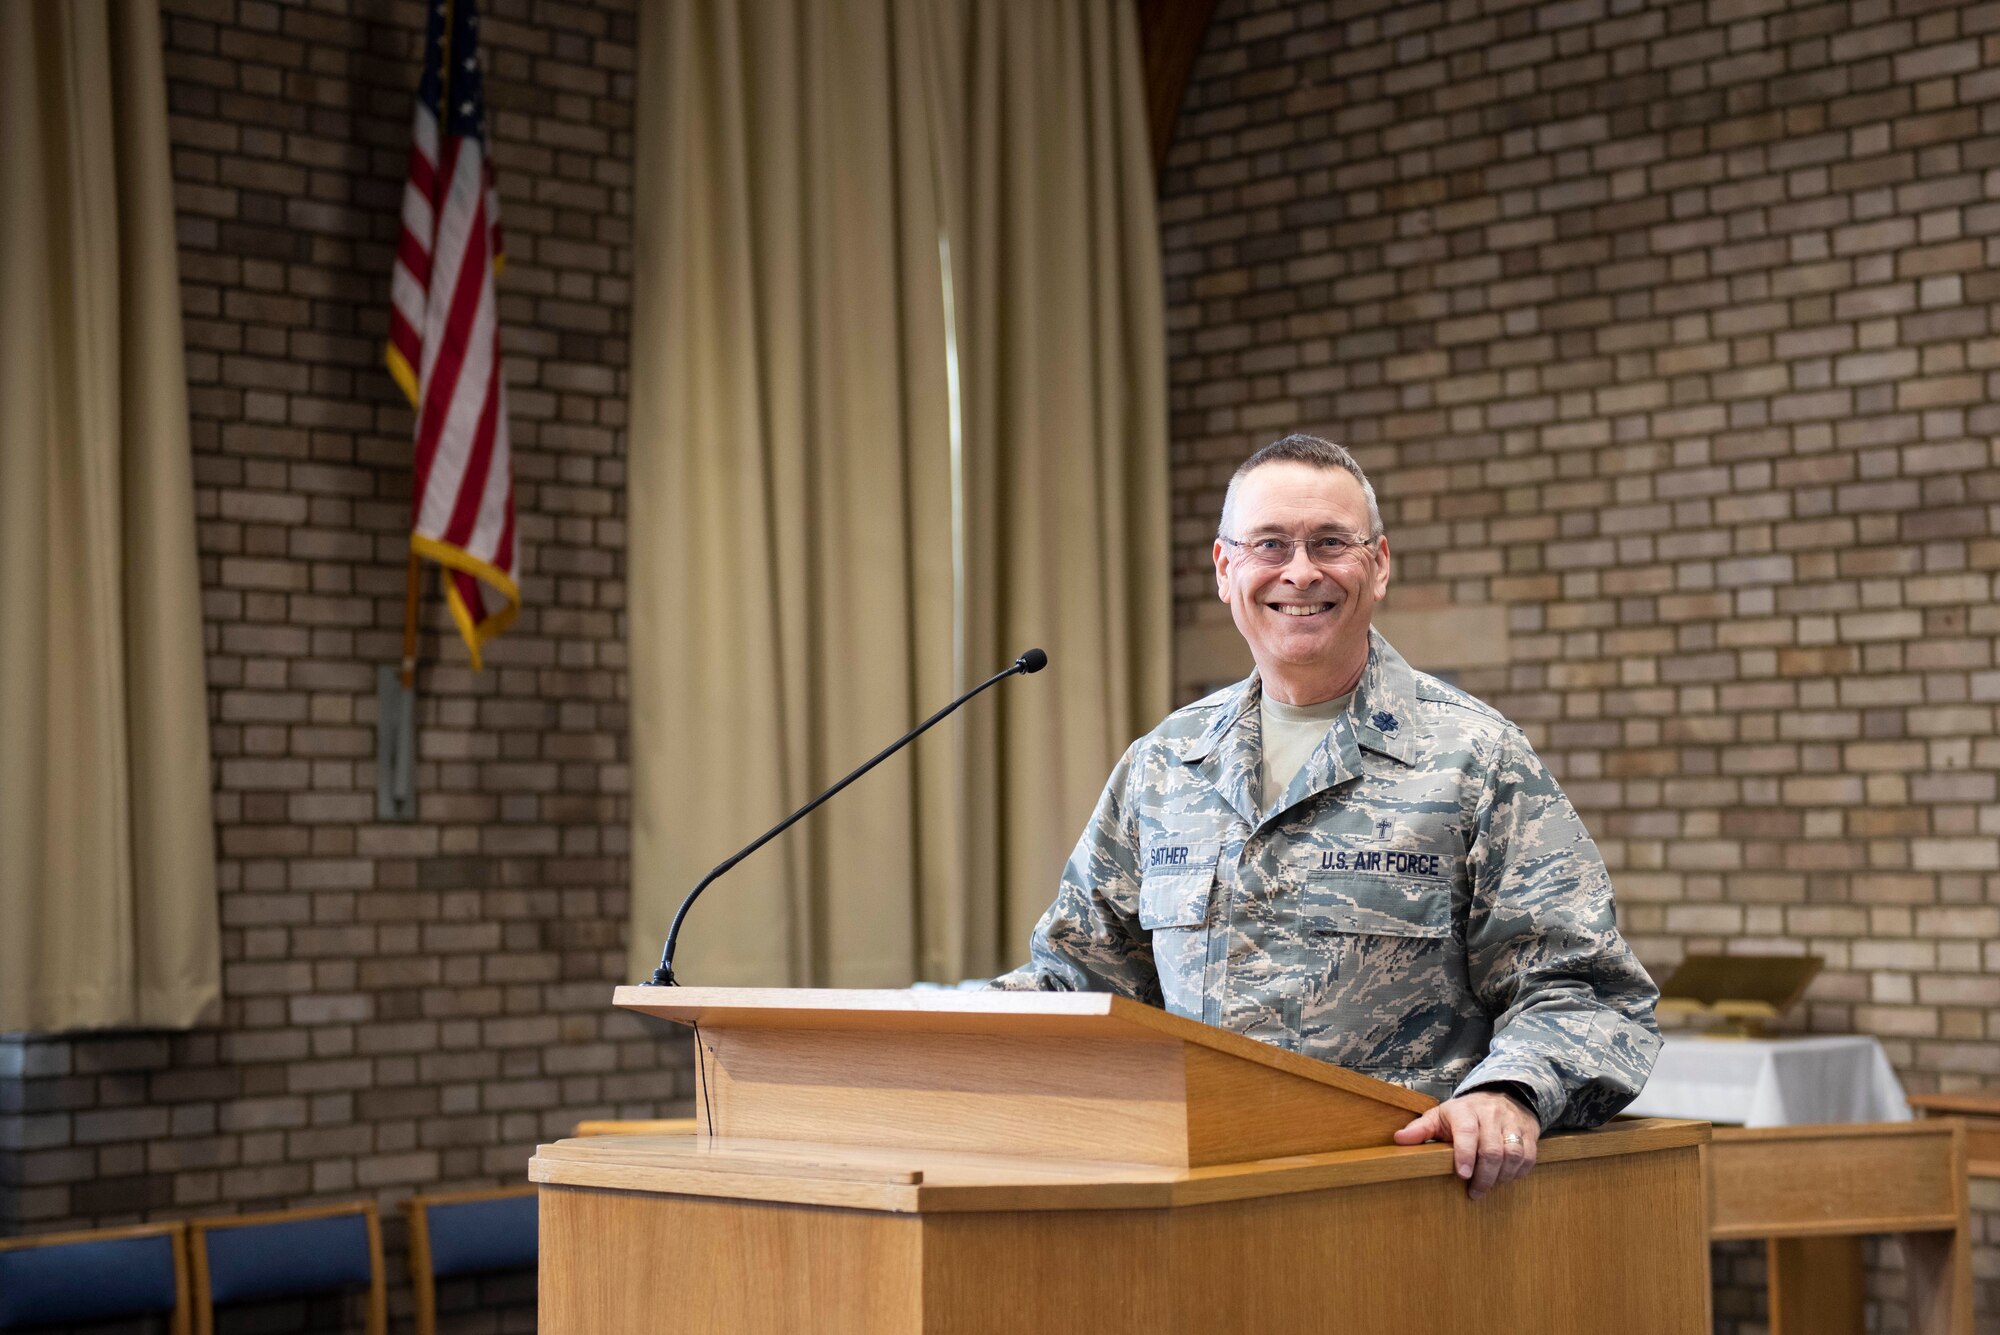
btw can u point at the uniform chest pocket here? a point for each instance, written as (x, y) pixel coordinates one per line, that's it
(1394, 996)
(1349, 902)
(1176, 887)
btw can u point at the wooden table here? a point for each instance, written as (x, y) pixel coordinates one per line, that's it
(1813, 1193)
(1980, 1111)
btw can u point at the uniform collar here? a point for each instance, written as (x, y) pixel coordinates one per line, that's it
(1227, 750)
(1385, 704)
(1383, 709)
(1381, 718)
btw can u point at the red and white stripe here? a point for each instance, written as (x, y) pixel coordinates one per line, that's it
(409, 283)
(445, 333)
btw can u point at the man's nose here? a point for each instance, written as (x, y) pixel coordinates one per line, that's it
(1300, 569)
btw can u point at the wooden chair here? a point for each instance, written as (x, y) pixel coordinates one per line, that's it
(105, 1274)
(467, 1233)
(288, 1253)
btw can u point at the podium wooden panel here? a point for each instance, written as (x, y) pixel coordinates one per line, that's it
(946, 1162)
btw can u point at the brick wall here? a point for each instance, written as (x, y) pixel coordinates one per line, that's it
(1666, 330)
(408, 1005)
(1667, 333)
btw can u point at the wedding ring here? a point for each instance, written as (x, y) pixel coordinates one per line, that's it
(1512, 1138)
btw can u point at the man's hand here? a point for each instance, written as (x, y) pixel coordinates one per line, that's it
(1492, 1137)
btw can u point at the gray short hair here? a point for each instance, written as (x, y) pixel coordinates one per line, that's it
(1310, 450)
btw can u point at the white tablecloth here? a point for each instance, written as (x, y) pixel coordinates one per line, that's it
(1773, 1081)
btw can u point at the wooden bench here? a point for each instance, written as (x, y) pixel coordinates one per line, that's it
(1813, 1193)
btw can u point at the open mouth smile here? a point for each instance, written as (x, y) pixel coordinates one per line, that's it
(1302, 611)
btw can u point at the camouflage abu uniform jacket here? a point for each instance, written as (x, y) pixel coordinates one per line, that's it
(1424, 905)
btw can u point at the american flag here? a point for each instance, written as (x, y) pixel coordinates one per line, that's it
(444, 335)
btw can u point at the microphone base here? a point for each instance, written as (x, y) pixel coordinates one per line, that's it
(662, 977)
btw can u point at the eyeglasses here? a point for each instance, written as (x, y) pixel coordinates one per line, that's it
(1322, 549)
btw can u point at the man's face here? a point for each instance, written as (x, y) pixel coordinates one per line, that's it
(1306, 624)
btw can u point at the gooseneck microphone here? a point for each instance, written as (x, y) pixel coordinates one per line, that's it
(1032, 661)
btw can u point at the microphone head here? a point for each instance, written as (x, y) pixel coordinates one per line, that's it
(1032, 661)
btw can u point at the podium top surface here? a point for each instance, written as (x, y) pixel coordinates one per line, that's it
(922, 1181)
(742, 1004)
(1022, 1014)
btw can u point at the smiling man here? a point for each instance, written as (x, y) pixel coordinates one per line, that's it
(1353, 860)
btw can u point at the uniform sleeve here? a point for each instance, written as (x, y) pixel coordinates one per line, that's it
(1090, 939)
(1573, 1009)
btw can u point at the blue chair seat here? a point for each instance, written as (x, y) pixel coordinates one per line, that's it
(469, 1237)
(69, 1283)
(297, 1256)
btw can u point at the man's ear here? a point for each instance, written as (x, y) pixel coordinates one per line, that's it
(1381, 567)
(1219, 553)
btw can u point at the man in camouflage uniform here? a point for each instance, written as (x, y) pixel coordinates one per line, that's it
(1414, 899)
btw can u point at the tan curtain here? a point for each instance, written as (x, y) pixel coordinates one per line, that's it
(812, 568)
(791, 549)
(1049, 202)
(107, 860)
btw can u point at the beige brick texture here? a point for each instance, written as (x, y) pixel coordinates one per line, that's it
(1666, 329)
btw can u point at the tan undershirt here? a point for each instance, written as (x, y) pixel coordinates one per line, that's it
(1291, 734)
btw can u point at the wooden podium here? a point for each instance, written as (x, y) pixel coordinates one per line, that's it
(889, 1162)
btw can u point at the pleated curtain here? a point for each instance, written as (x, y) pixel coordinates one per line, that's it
(1055, 253)
(107, 859)
(897, 415)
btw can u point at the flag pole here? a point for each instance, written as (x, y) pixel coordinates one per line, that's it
(396, 717)
(412, 592)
